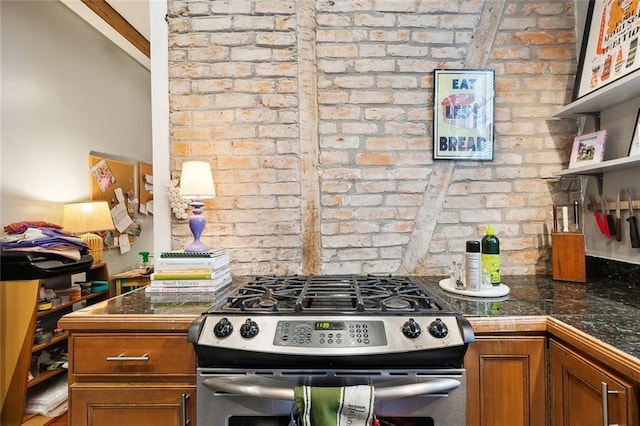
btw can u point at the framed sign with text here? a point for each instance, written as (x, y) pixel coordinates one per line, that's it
(463, 115)
(609, 45)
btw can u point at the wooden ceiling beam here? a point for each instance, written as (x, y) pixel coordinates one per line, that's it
(121, 25)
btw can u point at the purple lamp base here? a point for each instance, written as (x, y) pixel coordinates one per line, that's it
(196, 224)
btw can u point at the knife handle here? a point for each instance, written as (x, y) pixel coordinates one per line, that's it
(618, 229)
(605, 225)
(600, 223)
(633, 232)
(612, 225)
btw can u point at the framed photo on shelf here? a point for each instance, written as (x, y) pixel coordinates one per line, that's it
(463, 115)
(588, 149)
(609, 45)
(634, 147)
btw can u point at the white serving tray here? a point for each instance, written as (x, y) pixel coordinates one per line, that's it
(495, 291)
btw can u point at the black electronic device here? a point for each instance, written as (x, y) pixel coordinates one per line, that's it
(30, 265)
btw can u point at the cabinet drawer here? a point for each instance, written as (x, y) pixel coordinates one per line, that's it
(132, 355)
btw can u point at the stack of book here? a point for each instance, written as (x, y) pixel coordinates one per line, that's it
(188, 272)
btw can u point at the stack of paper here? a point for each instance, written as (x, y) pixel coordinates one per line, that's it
(50, 400)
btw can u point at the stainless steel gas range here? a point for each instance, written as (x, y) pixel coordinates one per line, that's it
(275, 333)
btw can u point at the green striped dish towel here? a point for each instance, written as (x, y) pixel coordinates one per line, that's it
(335, 406)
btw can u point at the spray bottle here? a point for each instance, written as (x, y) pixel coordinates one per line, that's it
(144, 259)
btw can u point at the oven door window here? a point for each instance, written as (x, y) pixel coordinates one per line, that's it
(285, 421)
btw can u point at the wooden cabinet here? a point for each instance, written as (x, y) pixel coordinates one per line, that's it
(21, 376)
(506, 381)
(584, 392)
(132, 405)
(130, 378)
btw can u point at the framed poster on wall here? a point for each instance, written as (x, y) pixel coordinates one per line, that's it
(609, 45)
(463, 115)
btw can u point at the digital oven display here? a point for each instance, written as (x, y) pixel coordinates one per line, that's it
(329, 325)
(330, 333)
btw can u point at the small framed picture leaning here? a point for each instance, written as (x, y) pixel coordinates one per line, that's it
(463, 115)
(588, 149)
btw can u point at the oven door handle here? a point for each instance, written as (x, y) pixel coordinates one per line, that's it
(273, 389)
(407, 390)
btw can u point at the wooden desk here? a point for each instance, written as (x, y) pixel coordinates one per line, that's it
(130, 280)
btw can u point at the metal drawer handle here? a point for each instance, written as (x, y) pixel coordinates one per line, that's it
(122, 358)
(605, 403)
(273, 389)
(184, 404)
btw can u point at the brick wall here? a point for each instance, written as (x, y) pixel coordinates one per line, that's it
(316, 116)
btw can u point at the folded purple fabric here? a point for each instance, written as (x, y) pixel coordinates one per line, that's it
(42, 237)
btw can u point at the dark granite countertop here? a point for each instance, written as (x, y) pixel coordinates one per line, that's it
(606, 309)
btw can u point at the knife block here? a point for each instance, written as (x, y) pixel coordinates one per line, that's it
(568, 257)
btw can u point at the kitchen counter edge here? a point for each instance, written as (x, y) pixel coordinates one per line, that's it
(91, 320)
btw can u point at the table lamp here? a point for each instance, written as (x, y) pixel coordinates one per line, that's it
(196, 183)
(84, 218)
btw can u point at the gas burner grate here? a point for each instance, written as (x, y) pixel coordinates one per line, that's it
(333, 293)
(262, 298)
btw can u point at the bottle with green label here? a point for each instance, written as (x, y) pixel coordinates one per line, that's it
(491, 256)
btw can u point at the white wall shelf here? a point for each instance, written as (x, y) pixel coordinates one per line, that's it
(621, 90)
(605, 166)
(598, 170)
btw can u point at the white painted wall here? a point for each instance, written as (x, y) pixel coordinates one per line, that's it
(67, 90)
(160, 120)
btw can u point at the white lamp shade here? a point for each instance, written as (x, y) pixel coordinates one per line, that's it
(87, 217)
(196, 180)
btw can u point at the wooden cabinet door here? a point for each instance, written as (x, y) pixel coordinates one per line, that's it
(576, 392)
(506, 381)
(125, 404)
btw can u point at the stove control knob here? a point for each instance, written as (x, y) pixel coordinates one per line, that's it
(438, 328)
(411, 329)
(223, 328)
(249, 329)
